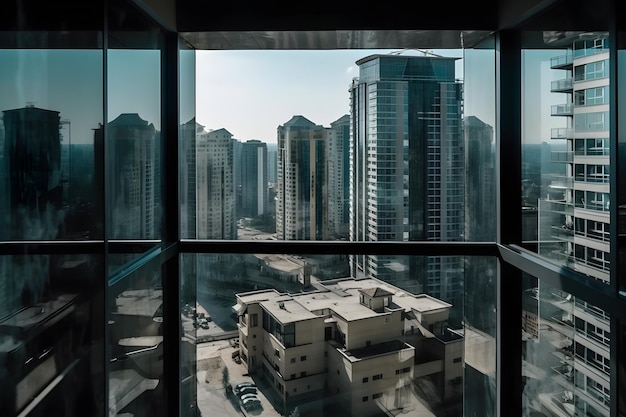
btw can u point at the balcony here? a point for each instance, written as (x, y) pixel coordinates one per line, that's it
(562, 156)
(560, 207)
(561, 133)
(564, 85)
(562, 109)
(562, 62)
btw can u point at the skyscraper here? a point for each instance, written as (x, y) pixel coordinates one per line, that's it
(31, 190)
(215, 187)
(132, 146)
(253, 165)
(188, 133)
(301, 197)
(407, 167)
(338, 146)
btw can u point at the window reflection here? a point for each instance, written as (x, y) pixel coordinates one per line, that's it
(51, 102)
(566, 353)
(290, 323)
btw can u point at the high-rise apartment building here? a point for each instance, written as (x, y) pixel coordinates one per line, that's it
(301, 196)
(31, 190)
(188, 202)
(338, 155)
(407, 167)
(135, 188)
(253, 191)
(215, 196)
(574, 223)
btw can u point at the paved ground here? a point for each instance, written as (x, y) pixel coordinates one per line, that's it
(212, 358)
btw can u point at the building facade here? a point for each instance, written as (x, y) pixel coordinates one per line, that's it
(253, 190)
(215, 187)
(407, 167)
(301, 194)
(574, 222)
(339, 178)
(360, 343)
(135, 188)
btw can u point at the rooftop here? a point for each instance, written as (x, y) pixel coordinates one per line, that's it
(339, 296)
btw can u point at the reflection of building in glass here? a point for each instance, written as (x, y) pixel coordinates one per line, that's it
(574, 218)
(362, 344)
(32, 191)
(215, 197)
(188, 133)
(301, 196)
(133, 152)
(253, 167)
(407, 172)
(338, 154)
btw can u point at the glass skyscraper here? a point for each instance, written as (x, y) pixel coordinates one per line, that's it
(407, 167)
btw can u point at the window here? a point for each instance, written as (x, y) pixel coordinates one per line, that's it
(302, 358)
(377, 377)
(365, 379)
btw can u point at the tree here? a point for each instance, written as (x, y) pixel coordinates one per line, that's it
(225, 377)
(295, 413)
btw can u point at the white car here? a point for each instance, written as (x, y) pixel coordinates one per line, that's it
(248, 396)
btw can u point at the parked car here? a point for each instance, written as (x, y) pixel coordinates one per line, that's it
(243, 385)
(245, 390)
(203, 322)
(247, 396)
(251, 403)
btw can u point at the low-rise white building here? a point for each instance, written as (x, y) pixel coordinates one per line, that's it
(355, 343)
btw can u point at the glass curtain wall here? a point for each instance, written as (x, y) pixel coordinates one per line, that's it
(412, 159)
(51, 297)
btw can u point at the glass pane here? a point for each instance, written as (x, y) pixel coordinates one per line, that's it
(132, 135)
(133, 143)
(566, 161)
(51, 327)
(621, 170)
(384, 160)
(479, 123)
(50, 105)
(312, 338)
(566, 353)
(187, 141)
(135, 320)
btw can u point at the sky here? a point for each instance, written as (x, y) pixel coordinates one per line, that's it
(251, 93)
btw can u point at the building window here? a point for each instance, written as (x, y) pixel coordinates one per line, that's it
(377, 395)
(365, 380)
(377, 377)
(365, 398)
(456, 360)
(302, 358)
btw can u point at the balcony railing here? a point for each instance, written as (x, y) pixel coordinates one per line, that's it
(560, 207)
(561, 133)
(563, 85)
(562, 109)
(562, 156)
(562, 62)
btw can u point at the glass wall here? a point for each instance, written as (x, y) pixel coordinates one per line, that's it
(310, 337)
(566, 353)
(566, 149)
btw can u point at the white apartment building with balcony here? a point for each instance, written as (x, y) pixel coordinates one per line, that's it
(574, 229)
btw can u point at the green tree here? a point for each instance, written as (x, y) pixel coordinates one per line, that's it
(295, 413)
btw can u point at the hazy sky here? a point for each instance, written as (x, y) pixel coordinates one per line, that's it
(251, 93)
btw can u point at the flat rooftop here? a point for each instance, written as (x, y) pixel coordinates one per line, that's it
(342, 296)
(385, 348)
